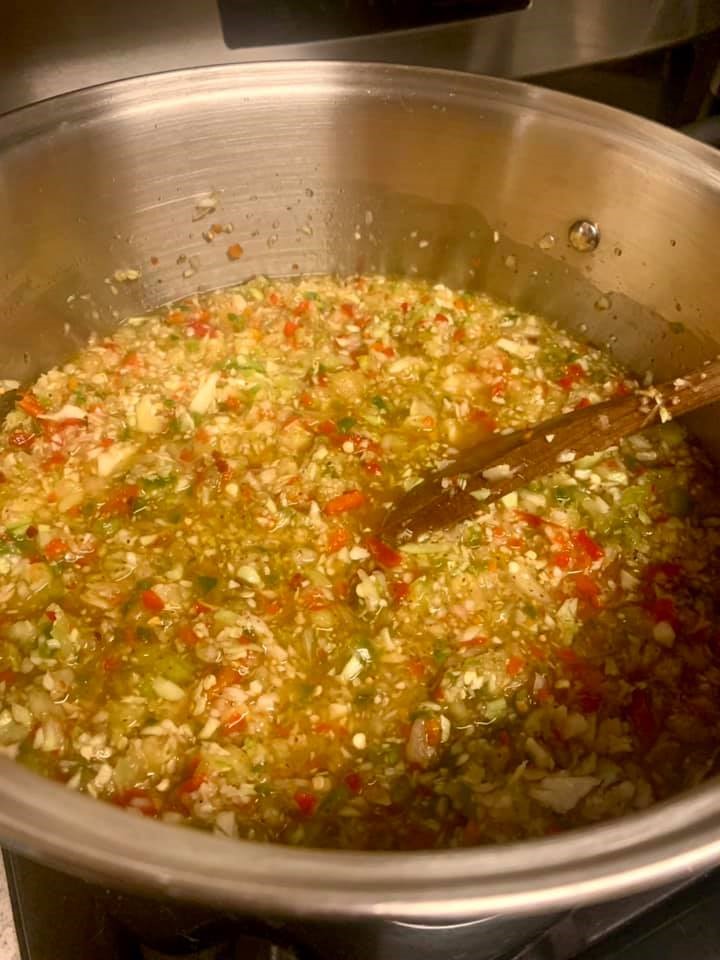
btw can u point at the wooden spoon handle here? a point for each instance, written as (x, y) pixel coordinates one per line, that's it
(512, 461)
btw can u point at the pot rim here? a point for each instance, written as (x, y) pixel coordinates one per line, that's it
(42, 819)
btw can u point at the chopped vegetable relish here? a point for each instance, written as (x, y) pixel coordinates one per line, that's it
(198, 622)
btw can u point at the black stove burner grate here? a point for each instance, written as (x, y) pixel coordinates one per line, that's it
(59, 917)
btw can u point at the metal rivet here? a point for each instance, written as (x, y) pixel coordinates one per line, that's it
(584, 236)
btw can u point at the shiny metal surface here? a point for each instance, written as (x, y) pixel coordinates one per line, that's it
(344, 167)
(45, 53)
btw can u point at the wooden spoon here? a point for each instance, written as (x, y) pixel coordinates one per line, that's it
(503, 463)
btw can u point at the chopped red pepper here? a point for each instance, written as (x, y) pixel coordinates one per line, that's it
(337, 539)
(514, 665)
(482, 416)
(587, 589)
(306, 802)
(226, 677)
(195, 779)
(136, 799)
(417, 668)
(399, 590)
(236, 722)
(584, 542)
(152, 601)
(573, 374)
(56, 549)
(382, 553)
(30, 404)
(291, 328)
(120, 501)
(201, 328)
(351, 500)
(187, 635)
(327, 428)
(531, 519)
(314, 599)
(7, 676)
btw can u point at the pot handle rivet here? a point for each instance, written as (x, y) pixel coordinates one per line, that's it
(584, 236)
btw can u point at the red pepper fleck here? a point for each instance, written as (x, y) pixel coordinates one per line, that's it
(584, 542)
(221, 464)
(56, 549)
(399, 590)
(120, 501)
(306, 802)
(587, 589)
(482, 416)
(195, 779)
(187, 635)
(372, 467)
(152, 601)
(30, 404)
(514, 665)
(7, 676)
(291, 328)
(338, 539)
(573, 374)
(350, 500)
(382, 348)
(531, 519)
(236, 722)
(382, 553)
(417, 668)
(136, 799)
(314, 599)
(200, 329)
(327, 428)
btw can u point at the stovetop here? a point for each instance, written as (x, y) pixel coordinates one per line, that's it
(58, 917)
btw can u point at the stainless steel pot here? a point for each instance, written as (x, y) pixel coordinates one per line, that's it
(339, 167)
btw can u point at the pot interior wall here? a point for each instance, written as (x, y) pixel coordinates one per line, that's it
(344, 168)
